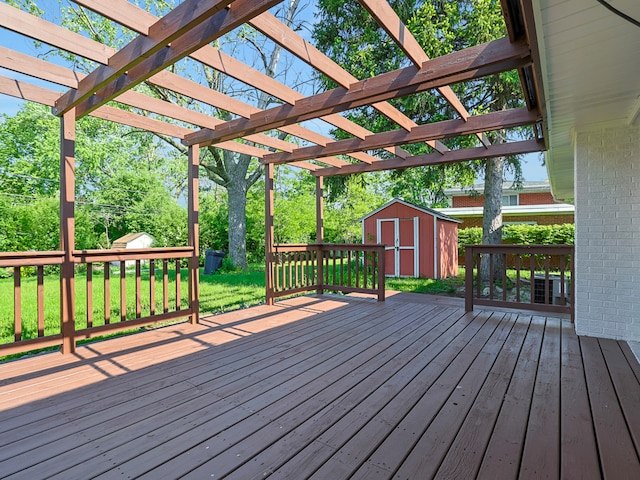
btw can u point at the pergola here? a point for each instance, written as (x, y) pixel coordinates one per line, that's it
(190, 29)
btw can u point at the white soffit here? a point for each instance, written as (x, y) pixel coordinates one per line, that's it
(590, 60)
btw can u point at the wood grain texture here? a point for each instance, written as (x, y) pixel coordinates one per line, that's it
(328, 387)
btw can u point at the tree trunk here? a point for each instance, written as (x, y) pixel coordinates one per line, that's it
(492, 214)
(237, 194)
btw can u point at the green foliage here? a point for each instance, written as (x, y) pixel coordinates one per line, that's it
(350, 36)
(213, 222)
(522, 235)
(469, 236)
(445, 286)
(539, 234)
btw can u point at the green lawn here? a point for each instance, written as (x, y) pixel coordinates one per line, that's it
(220, 292)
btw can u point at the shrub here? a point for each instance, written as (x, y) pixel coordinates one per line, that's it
(522, 235)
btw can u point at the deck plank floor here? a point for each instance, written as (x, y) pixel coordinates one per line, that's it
(329, 387)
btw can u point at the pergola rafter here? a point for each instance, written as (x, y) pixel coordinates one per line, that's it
(188, 30)
(474, 62)
(478, 61)
(180, 33)
(387, 19)
(419, 133)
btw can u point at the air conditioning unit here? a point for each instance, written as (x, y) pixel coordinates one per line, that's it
(554, 296)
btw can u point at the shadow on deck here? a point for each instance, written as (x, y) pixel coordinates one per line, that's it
(330, 387)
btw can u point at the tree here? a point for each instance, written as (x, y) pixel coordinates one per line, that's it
(349, 35)
(236, 173)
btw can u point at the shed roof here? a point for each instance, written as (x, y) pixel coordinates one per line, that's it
(128, 238)
(426, 210)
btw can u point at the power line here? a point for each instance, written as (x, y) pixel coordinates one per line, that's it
(622, 15)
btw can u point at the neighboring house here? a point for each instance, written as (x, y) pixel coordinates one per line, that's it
(590, 71)
(420, 242)
(532, 204)
(133, 240)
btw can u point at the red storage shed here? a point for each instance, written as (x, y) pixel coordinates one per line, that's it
(420, 242)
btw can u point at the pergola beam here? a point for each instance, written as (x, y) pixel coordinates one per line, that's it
(112, 82)
(387, 18)
(294, 43)
(37, 68)
(33, 93)
(474, 62)
(176, 23)
(452, 156)
(430, 131)
(17, 21)
(123, 11)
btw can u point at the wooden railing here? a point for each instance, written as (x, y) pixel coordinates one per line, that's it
(156, 294)
(532, 277)
(336, 267)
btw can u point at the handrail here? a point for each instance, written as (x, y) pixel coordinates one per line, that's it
(346, 268)
(32, 331)
(548, 288)
(31, 259)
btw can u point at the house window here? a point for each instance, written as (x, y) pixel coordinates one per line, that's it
(509, 200)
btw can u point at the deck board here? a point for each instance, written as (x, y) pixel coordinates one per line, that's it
(329, 387)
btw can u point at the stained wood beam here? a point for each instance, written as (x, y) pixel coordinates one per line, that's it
(37, 68)
(25, 64)
(431, 131)
(32, 93)
(38, 29)
(113, 84)
(474, 62)
(284, 36)
(122, 11)
(452, 156)
(172, 26)
(387, 18)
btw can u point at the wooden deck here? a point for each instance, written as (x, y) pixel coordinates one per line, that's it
(329, 387)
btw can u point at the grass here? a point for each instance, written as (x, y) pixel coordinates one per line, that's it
(446, 286)
(220, 292)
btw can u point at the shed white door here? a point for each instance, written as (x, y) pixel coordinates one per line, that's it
(400, 235)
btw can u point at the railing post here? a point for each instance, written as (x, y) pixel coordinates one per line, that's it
(468, 278)
(381, 276)
(67, 230)
(320, 256)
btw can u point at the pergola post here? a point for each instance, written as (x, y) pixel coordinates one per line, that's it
(319, 209)
(320, 231)
(268, 231)
(67, 229)
(193, 206)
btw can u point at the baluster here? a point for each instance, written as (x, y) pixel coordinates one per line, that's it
(165, 284)
(152, 287)
(107, 293)
(17, 305)
(177, 284)
(138, 291)
(89, 294)
(123, 291)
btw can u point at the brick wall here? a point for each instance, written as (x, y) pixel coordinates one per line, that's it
(607, 198)
(540, 198)
(466, 201)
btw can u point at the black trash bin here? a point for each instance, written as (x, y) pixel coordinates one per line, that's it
(212, 260)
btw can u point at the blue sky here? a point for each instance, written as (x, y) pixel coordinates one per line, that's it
(532, 164)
